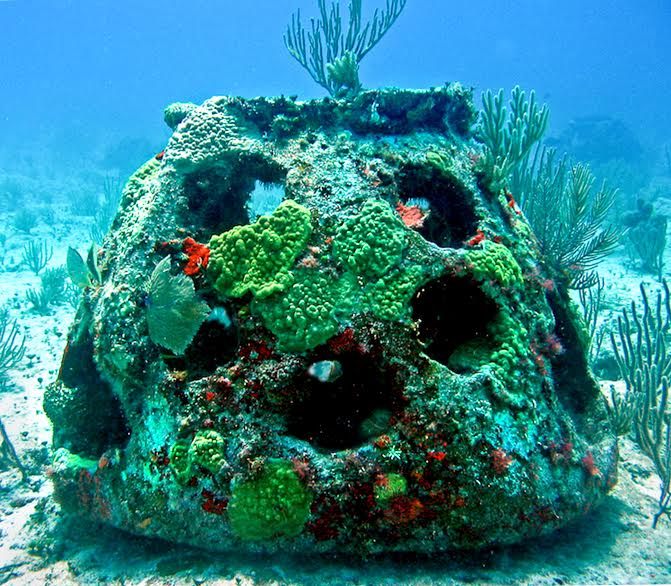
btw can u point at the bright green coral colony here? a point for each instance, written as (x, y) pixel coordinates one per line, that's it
(256, 258)
(276, 504)
(378, 365)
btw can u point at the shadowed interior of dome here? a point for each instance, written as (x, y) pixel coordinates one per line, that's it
(451, 311)
(219, 199)
(347, 411)
(94, 421)
(570, 370)
(451, 219)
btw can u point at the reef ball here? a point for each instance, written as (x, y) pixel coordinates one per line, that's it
(316, 329)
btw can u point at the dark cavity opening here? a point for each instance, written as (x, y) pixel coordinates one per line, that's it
(574, 386)
(348, 411)
(86, 415)
(451, 312)
(219, 199)
(451, 219)
(215, 345)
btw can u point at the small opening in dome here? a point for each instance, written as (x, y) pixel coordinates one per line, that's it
(264, 199)
(215, 344)
(446, 203)
(451, 312)
(96, 421)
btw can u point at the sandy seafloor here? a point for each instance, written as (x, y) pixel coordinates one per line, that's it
(614, 544)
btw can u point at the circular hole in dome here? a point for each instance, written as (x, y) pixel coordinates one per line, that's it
(447, 204)
(450, 312)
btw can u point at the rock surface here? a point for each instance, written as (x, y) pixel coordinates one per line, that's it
(382, 364)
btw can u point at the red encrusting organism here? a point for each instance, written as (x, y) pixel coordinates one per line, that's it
(212, 504)
(500, 461)
(477, 239)
(199, 256)
(589, 465)
(412, 216)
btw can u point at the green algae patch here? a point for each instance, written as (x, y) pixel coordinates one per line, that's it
(272, 505)
(390, 486)
(256, 258)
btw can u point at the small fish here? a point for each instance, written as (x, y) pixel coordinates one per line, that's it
(220, 315)
(326, 371)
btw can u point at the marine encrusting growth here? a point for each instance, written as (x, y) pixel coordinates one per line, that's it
(378, 363)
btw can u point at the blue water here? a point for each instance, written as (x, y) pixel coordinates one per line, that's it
(80, 69)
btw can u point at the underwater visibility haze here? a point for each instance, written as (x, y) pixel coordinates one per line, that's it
(338, 292)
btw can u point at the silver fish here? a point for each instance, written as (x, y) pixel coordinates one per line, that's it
(326, 371)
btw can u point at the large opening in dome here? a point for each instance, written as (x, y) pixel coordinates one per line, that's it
(451, 312)
(220, 198)
(93, 420)
(448, 205)
(347, 399)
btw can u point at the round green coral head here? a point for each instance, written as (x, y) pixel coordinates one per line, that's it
(272, 505)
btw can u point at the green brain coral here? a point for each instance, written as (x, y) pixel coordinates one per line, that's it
(256, 258)
(389, 296)
(371, 242)
(494, 261)
(207, 450)
(275, 503)
(302, 316)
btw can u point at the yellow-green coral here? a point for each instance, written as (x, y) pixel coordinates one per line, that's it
(302, 316)
(179, 461)
(276, 503)
(371, 242)
(207, 450)
(256, 258)
(389, 296)
(495, 262)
